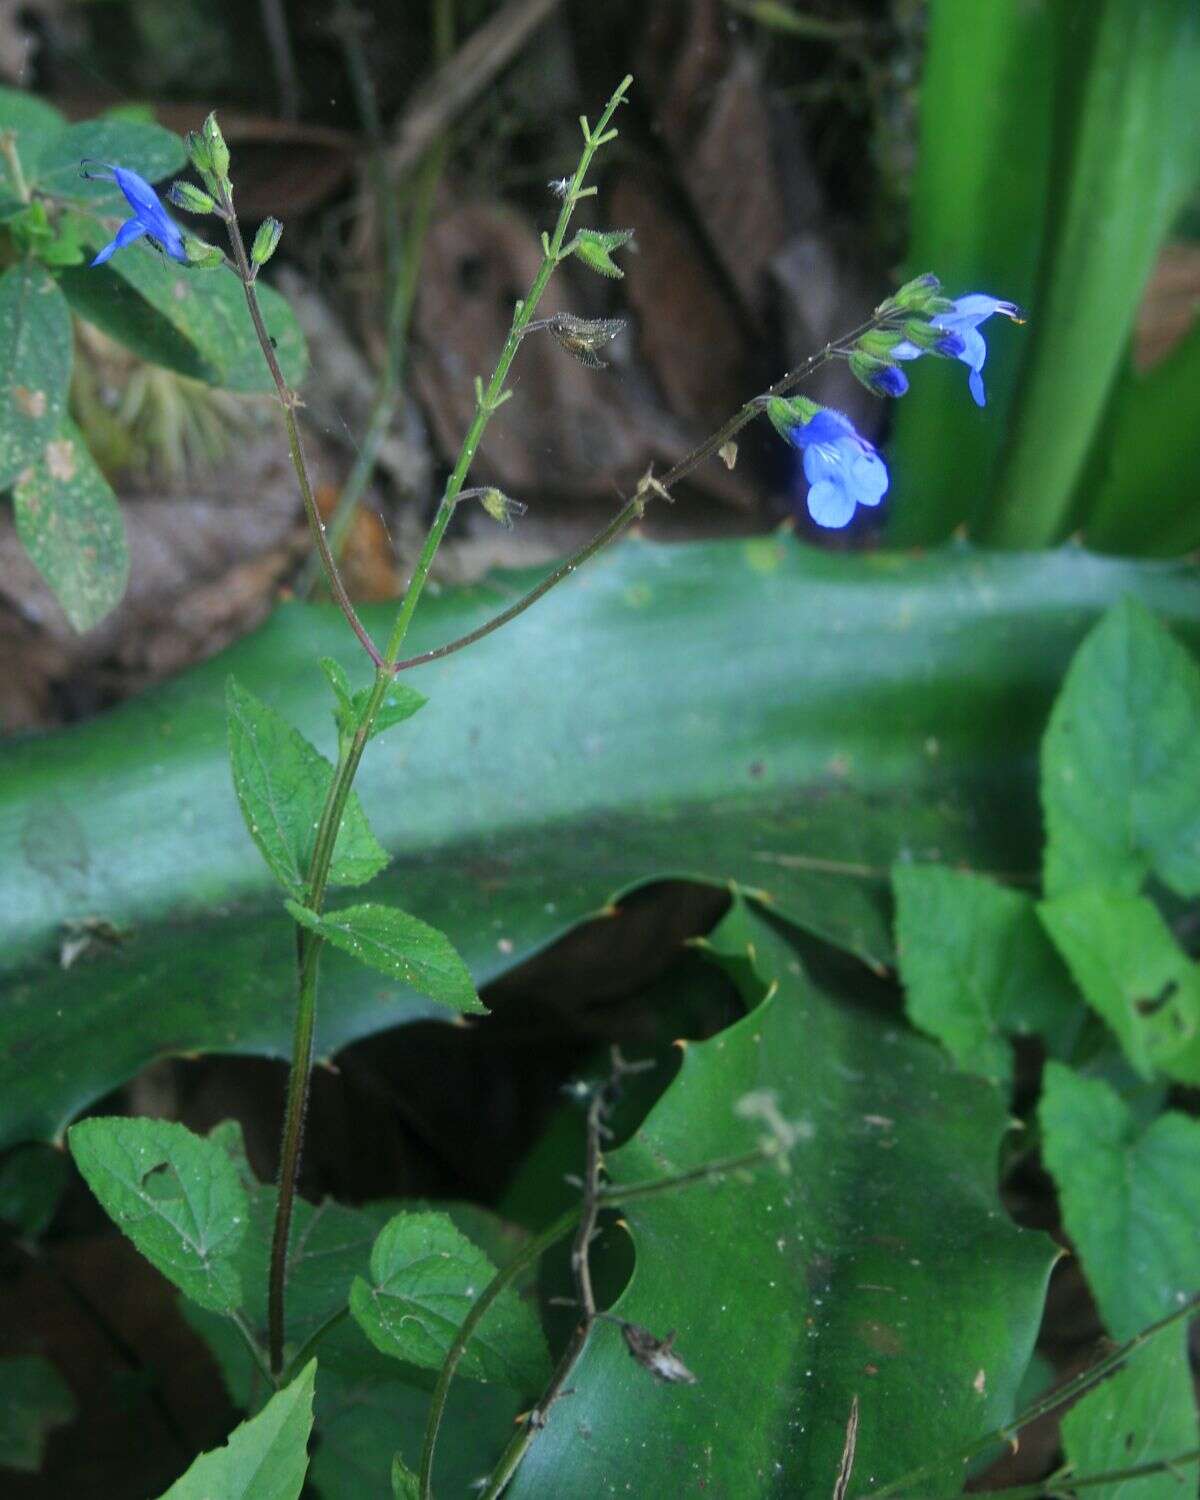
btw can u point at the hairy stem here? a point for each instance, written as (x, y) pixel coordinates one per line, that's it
(309, 944)
(1064, 1484)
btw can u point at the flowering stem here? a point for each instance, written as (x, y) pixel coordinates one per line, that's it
(289, 401)
(636, 504)
(309, 944)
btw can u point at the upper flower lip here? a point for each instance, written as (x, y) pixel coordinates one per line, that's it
(960, 324)
(150, 218)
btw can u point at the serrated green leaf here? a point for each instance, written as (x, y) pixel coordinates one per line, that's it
(1145, 1412)
(907, 727)
(281, 782)
(265, 1458)
(193, 321)
(1119, 789)
(405, 1484)
(399, 945)
(882, 1266)
(425, 1276)
(400, 702)
(33, 1399)
(1134, 974)
(1128, 1197)
(978, 969)
(35, 365)
(174, 1194)
(148, 150)
(70, 523)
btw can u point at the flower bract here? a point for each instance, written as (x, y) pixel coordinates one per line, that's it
(843, 469)
(150, 218)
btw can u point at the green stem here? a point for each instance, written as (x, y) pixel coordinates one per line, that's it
(1082, 1382)
(529, 1256)
(309, 944)
(1062, 1484)
(633, 507)
(310, 1345)
(252, 1347)
(8, 149)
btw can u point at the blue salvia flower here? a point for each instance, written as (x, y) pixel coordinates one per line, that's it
(963, 338)
(150, 218)
(843, 469)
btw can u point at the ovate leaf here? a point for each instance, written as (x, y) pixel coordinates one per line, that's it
(35, 365)
(977, 967)
(881, 1266)
(399, 703)
(281, 783)
(1128, 1197)
(265, 1458)
(33, 1399)
(1146, 1412)
(70, 523)
(1134, 974)
(397, 944)
(1119, 784)
(425, 1276)
(142, 147)
(176, 1196)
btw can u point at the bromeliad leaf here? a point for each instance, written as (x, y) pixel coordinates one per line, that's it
(1145, 1412)
(35, 365)
(425, 1276)
(281, 782)
(176, 1196)
(1119, 789)
(266, 1458)
(1128, 1197)
(70, 523)
(977, 967)
(33, 1399)
(1134, 974)
(400, 945)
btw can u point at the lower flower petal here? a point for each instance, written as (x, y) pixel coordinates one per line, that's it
(131, 230)
(975, 381)
(829, 505)
(868, 479)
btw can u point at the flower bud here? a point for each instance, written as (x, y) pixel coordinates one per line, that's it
(879, 377)
(218, 151)
(918, 295)
(192, 199)
(594, 248)
(786, 413)
(879, 343)
(201, 254)
(265, 241)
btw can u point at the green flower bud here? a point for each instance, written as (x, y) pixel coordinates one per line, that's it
(201, 254)
(918, 295)
(218, 151)
(785, 413)
(878, 343)
(190, 198)
(265, 241)
(594, 248)
(500, 507)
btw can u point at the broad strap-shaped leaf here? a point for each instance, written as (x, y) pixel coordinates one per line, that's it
(977, 967)
(1128, 1197)
(175, 1195)
(1134, 974)
(1146, 1411)
(70, 523)
(35, 365)
(265, 1458)
(425, 1276)
(1119, 785)
(33, 1399)
(281, 783)
(397, 944)
(907, 727)
(881, 1266)
(193, 321)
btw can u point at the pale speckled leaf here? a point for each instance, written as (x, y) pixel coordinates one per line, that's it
(35, 365)
(281, 782)
(70, 523)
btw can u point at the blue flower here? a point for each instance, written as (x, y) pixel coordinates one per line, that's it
(888, 380)
(963, 340)
(150, 218)
(843, 470)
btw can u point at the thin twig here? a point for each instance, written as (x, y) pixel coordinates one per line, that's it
(1058, 1486)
